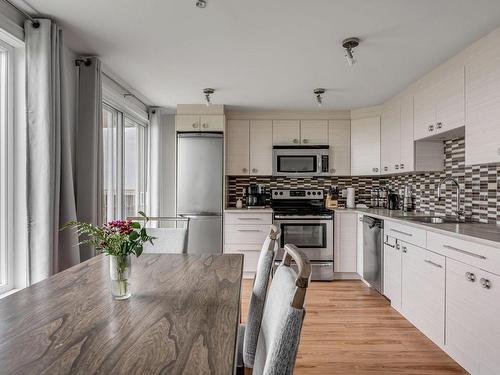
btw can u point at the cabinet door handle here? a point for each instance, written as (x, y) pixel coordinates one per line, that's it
(431, 128)
(388, 244)
(249, 218)
(295, 140)
(332, 170)
(385, 169)
(432, 263)
(439, 125)
(375, 169)
(470, 276)
(305, 140)
(485, 283)
(254, 170)
(402, 166)
(464, 252)
(401, 232)
(244, 170)
(396, 166)
(249, 230)
(195, 125)
(205, 125)
(405, 249)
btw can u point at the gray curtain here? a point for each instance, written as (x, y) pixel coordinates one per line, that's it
(155, 161)
(89, 157)
(50, 190)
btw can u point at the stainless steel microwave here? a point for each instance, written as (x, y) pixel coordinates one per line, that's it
(300, 160)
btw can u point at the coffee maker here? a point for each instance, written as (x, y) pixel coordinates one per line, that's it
(255, 196)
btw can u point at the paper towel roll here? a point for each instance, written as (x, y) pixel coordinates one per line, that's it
(350, 198)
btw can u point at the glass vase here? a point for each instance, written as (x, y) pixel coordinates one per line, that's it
(119, 273)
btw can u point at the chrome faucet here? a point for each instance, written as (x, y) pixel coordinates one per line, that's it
(459, 212)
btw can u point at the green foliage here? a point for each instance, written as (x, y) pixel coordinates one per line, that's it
(118, 238)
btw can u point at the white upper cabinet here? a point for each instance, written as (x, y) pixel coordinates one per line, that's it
(238, 147)
(365, 146)
(261, 147)
(482, 128)
(390, 133)
(314, 132)
(286, 132)
(204, 123)
(439, 106)
(339, 139)
(407, 145)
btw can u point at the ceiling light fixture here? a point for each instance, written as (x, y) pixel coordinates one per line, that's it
(349, 44)
(319, 98)
(201, 4)
(207, 92)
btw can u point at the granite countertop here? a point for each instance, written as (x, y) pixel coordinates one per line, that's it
(487, 234)
(249, 210)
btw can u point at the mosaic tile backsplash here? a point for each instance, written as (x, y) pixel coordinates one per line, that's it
(479, 186)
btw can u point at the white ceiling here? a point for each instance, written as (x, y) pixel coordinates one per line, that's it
(271, 54)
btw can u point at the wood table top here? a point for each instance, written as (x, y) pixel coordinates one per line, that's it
(182, 318)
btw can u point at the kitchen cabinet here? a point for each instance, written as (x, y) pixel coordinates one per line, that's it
(339, 139)
(423, 290)
(472, 324)
(365, 146)
(345, 241)
(440, 105)
(314, 132)
(392, 271)
(238, 147)
(199, 122)
(390, 139)
(249, 147)
(261, 147)
(286, 132)
(462, 323)
(359, 245)
(482, 128)
(244, 233)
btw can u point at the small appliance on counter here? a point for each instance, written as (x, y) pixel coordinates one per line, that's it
(378, 197)
(255, 196)
(392, 201)
(407, 199)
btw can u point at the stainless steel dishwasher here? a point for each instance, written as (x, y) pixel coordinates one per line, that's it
(373, 252)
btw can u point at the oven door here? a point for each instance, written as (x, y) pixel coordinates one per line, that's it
(314, 237)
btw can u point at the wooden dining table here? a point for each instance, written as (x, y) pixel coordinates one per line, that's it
(182, 318)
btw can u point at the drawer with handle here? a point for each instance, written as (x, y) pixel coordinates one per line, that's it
(248, 218)
(245, 234)
(478, 255)
(415, 236)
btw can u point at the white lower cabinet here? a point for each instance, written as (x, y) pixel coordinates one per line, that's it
(244, 233)
(462, 324)
(472, 318)
(423, 290)
(359, 245)
(392, 271)
(345, 241)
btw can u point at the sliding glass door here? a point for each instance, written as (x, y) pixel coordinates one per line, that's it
(124, 165)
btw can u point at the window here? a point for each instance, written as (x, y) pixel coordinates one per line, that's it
(6, 169)
(124, 164)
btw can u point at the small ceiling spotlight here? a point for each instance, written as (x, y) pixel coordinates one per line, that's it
(207, 92)
(201, 4)
(318, 93)
(349, 44)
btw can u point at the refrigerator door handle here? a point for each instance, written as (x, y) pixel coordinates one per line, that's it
(194, 216)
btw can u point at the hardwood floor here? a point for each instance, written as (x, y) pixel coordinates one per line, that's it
(350, 329)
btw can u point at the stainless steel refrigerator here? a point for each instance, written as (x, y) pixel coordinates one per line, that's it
(200, 163)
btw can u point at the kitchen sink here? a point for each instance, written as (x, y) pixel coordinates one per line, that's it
(433, 219)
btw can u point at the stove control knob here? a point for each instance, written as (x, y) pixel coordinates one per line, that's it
(308, 193)
(281, 193)
(275, 193)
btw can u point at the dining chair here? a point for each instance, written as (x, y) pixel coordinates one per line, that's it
(283, 315)
(171, 234)
(249, 332)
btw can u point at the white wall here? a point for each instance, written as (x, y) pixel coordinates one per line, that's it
(168, 166)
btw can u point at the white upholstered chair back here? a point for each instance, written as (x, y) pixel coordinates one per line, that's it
(171, 235)
(283, 316)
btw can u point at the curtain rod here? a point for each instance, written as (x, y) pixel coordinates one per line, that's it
(35, 23)
(127, 92)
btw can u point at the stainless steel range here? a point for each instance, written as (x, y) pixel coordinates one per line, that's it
(305, 222)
